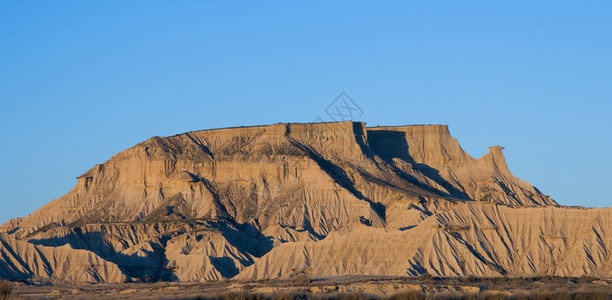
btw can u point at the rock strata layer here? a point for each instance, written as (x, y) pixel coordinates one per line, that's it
(325, 199)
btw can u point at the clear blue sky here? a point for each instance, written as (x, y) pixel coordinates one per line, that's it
(83, 80)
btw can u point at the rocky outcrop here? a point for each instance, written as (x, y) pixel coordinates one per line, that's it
(432, 151)
(287, 199)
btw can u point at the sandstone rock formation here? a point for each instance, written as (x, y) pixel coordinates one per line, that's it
(319, 199)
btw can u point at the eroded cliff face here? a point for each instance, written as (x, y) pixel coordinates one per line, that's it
(433, 152)
(286, 199)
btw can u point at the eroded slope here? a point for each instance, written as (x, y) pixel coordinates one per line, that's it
(286, 199)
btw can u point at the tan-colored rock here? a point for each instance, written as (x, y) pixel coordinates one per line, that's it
(303, 200)
(21, 260)
(431, 150)
(472, 239)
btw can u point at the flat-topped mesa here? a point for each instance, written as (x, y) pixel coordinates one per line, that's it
(135, 182)
(233, 194)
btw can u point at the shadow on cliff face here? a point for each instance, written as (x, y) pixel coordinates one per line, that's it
(9, 270)
(225, 266)
(389, 144)
(150, 264)
(338, 175)
(145, 265)
(245, 237)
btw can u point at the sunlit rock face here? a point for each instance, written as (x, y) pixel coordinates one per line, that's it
(325, 199)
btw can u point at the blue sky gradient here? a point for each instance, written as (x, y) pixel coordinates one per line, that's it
(83, 80)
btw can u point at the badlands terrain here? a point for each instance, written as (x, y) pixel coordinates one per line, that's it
(287, 202)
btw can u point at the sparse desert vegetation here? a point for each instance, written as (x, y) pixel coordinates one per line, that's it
(355, 287)
(6, 289)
